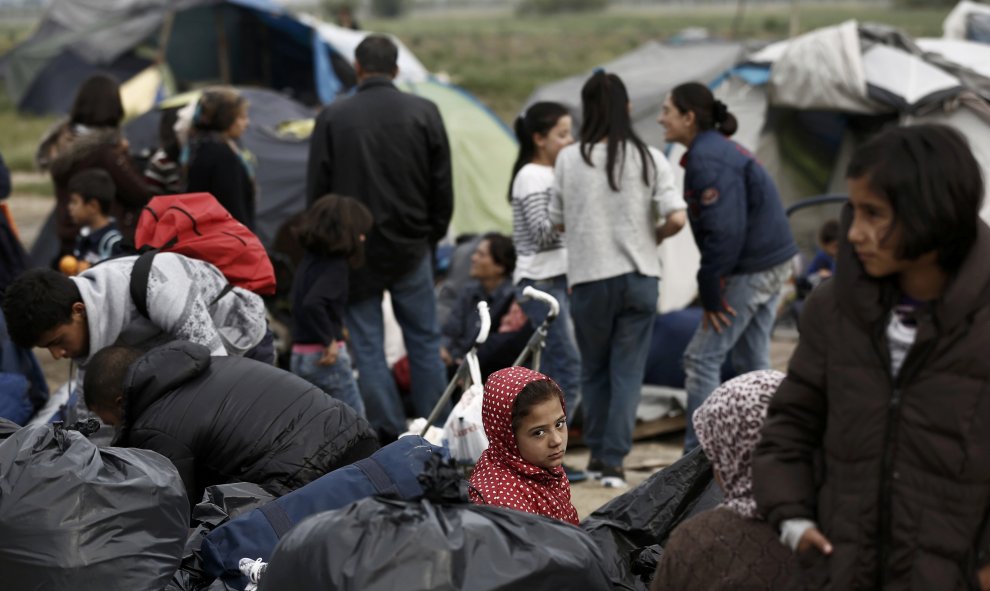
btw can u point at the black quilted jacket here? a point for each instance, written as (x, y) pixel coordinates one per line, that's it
(227, 419)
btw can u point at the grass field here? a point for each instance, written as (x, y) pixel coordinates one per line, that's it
(502, 58)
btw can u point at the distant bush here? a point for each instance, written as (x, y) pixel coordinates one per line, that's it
(925, 3)
(388, 8)
(555, 6)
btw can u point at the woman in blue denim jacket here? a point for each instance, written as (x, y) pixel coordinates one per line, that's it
(742, 233)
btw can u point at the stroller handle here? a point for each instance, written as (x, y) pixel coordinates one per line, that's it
(532, 293)
(486, 323)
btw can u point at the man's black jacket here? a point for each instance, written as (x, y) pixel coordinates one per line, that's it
(388, 149)
(231, 419)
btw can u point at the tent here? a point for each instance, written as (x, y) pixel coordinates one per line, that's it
(803, 105)
(241, 42)
(252, 44)
(968, 20)
(482, 154)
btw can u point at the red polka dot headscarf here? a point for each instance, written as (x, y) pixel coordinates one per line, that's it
(502, 476)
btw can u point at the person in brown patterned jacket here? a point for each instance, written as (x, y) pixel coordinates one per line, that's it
(730, 547)
(875, 456)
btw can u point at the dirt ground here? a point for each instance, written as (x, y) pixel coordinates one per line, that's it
(647, 457)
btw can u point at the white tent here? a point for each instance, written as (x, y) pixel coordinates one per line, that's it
(804, 104)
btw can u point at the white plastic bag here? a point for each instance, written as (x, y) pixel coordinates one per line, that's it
(464, 432)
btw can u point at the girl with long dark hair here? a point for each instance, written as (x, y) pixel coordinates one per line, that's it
(615, 198)
(333, 236)
(543, 130)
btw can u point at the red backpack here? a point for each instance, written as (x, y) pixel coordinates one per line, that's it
(197, 226)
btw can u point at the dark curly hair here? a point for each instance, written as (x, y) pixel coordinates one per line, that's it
(36, 302)
(333, 226)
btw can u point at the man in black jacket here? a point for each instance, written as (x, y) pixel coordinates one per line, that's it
(224, 419)
(389, 150)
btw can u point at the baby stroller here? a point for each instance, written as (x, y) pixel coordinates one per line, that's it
(464, 432)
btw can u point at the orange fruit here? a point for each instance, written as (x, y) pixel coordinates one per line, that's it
(68, 265)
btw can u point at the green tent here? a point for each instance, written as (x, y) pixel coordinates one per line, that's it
(483, 151)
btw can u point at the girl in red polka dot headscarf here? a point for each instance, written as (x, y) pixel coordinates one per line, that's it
(526, 424)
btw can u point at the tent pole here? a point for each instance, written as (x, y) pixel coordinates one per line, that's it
(737, 20)
(165, 35)
(795, 27)
(223, 55)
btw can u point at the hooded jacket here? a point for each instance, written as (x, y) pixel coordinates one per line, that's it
(501, 476)
(182, 302)
(896, 472)
(231, 419)
(98, 148)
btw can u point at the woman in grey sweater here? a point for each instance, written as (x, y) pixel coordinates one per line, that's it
(615, 198)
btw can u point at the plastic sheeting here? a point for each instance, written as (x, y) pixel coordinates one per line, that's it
(837, 79)
(631, 529)
(437, 547)
(74, 516)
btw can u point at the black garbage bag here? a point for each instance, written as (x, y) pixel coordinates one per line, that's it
(220, 504)
(631, 529)
(382, 544)
(80, 518)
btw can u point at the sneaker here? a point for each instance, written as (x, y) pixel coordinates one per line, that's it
(573, 474)
(595, 467)
(614, 477)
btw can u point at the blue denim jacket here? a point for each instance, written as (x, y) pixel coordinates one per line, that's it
(735, 212)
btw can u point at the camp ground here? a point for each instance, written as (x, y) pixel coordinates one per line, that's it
(803, 106)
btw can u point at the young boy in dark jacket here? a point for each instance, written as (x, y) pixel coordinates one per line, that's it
(224, 419)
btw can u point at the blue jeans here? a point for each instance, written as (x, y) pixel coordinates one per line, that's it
(337, 380)
(613, 322)
(754, 297)
(560, 360)
(414, 304)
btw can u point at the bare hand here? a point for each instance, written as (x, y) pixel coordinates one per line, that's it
(718, 320)
(814, 538)
(329, 355)
(445, 356)
(984, 576)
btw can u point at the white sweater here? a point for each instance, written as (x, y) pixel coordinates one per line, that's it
(611, 233)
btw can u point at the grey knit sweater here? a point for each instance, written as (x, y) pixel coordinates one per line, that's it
(611, 233)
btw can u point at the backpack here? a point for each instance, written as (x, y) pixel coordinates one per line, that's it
(197, 226)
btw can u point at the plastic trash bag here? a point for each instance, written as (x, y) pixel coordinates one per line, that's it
(382, 544)
(464, 431)
(80, 518)
(220, 504)
(393, 470)
(631, 529)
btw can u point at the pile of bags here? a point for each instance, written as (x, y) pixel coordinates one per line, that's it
(76, 516)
